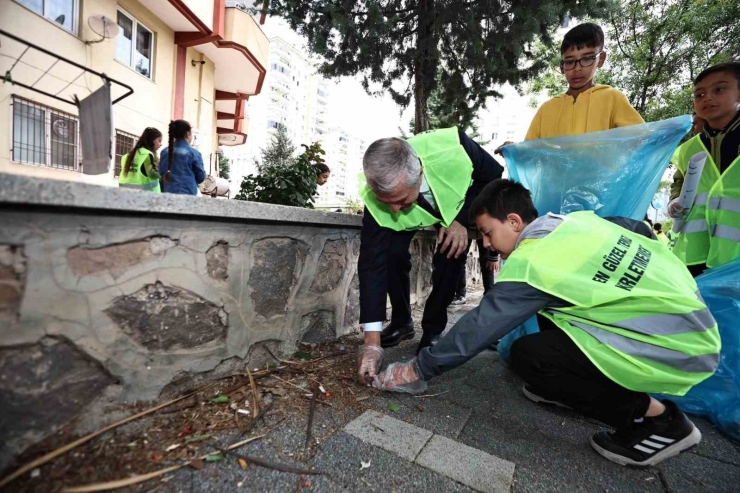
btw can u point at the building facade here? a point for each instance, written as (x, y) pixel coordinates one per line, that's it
(198, 60)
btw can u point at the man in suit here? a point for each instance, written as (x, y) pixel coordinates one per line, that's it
(429, 180)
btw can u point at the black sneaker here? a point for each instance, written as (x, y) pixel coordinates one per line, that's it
(535, 396)
(649, 442)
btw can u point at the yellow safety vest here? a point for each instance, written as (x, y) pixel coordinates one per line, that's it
(448, 171)
(135, 178)
(636, 311)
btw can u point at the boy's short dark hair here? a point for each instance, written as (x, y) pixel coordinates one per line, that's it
(503, 197)
(732, 68)
(658, 227)
(321, 168)
(586, 35)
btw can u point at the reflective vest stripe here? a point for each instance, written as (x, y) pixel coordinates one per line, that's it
(724, 204)
(146, 186)
(701, 199)
(668, 324)
(726, 232)
(695, 226)
(704, 363)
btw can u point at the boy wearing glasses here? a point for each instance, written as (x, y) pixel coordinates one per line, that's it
(586, 106)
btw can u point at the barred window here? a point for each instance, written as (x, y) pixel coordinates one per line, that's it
(45, 136)
(124, 143)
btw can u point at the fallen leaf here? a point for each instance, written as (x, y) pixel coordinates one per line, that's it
(393, 406)
(197, 464)
(172, 447)
(197, 438)
(36, 473)
(242, 411)
(156, 457)
(215, 457)
(363, 398)
(302, 355)
(219, 399)
(421, 409)
(364, 465)
(275, 391)
(186, 431)
(242, 463)
(322, 389)
(328, 394)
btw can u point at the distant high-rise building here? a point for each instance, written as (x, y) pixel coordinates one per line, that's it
(296, 96)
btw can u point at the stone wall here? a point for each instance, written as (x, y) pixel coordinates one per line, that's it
(108, 288)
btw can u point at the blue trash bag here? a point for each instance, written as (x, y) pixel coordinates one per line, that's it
(718, 397)
(613, 173)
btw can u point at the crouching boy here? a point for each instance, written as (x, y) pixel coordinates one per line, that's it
(620, 317)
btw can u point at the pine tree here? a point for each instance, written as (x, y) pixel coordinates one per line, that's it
(280, 151)
(401, 44)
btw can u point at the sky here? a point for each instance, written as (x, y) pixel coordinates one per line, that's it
(351, 108)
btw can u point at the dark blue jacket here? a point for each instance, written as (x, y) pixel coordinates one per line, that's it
(187, 169)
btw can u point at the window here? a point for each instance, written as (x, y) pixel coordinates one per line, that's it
(494, 136)
(279, 68)
(45, 136)
(124, 143)
(272, 124)
(340, 194)
(134, 44)
(62, 12)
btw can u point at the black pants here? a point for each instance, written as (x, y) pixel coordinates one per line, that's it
(445, 276)
(555, 368)
(485, 274)
(697, 270)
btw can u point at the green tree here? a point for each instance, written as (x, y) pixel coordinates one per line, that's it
(224, 165)
(656, 48)
(399, 45)
(283, 179)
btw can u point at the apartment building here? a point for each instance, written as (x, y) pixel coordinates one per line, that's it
(293, 96)
(344, 157)
(200, 60)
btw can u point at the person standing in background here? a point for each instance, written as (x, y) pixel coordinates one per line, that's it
(181, 165)
(586, 106)
(139, 166)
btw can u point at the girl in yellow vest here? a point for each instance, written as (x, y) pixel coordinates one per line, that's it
(620, 317)
(710, 235)
(139, 166)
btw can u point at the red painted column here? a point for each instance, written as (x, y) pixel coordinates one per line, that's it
(180, 82)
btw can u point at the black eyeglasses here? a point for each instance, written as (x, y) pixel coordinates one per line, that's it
(584, 62)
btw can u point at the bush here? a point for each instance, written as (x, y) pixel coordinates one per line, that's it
(282, 179)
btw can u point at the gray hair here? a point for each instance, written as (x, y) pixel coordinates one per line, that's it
(388, 162)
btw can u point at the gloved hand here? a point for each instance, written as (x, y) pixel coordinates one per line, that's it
(400, 377)
(676, 211)
(369, 359)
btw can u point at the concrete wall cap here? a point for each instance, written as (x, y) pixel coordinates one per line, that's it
(18, 190)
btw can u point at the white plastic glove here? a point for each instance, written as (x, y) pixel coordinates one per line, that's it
(676, 211)
(400, 377)
(369, 359)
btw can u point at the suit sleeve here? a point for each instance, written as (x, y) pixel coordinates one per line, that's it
(372, 267)
(485, 170)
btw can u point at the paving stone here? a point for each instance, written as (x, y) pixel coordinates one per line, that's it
(547, 462)
(437, 416)
(389, 434)
(469, 466)
(691, 473)
(715, 445)
(341, 458)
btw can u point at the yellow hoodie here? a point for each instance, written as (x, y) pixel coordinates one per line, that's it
(599, 108)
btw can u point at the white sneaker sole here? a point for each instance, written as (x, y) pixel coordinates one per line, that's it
(668, 452)
(540, 400)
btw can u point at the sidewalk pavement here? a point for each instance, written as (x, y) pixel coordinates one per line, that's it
(480, 411)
